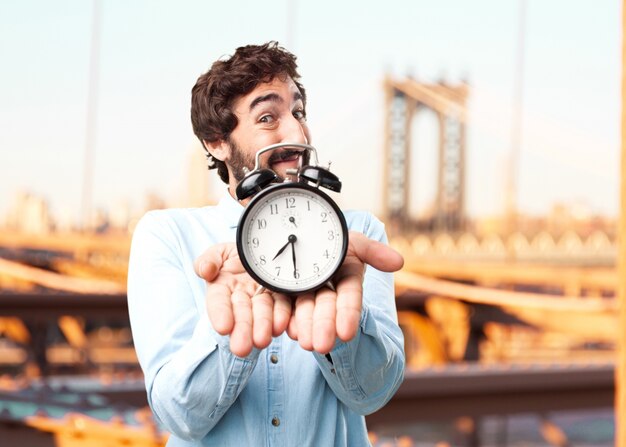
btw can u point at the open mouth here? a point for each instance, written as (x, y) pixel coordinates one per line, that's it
(285, 156)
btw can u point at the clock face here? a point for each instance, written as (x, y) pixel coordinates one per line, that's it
(292, 238)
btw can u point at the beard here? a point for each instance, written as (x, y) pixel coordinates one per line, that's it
(240, 159)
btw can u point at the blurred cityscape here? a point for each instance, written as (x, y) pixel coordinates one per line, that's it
(510, 322)
(32, 214)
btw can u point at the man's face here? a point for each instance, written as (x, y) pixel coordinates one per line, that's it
(271, 113)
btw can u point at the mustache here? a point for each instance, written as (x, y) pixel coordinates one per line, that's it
(286, 154)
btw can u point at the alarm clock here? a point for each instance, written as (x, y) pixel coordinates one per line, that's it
(292, 237)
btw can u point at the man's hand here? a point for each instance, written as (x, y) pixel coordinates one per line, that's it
(251, 320)
(322, 316)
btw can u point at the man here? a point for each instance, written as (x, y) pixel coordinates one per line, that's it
(226, 364)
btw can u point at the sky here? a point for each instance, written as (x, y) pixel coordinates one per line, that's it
(152, 51)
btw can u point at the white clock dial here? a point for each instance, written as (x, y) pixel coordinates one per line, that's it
(292, 238)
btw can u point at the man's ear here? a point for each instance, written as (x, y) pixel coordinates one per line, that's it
(219, 149)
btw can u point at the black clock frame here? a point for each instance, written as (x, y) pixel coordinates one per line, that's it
(258, 198)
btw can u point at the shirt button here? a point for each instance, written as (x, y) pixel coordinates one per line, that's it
(274, 358)
(275, 421)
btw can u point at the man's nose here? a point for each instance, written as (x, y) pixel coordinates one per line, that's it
(294, 131)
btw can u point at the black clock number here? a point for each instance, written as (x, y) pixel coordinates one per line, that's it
(331, 235)
(262, 260)
(255, 242)
(277, 271)
(262, 224)
(326, 254)
(308, 205)
(296, 274)
(316, 268)
(273, 208)
(290, 202)
(324, 217)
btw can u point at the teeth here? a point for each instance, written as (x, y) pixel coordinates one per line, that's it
(290, 157)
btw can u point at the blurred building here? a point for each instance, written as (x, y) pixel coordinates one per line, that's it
(153, 201)
(201, 182)
(30, 214)
(562, 218)
(120, 215)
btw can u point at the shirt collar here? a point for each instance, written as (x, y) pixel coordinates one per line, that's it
(230, 209)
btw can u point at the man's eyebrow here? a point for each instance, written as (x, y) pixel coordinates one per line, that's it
(274, 97)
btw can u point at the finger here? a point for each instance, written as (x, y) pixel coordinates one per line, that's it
(219, 308)
(374, 253)
(241, 335)
(349, 306)
(324, 330)
(351, 267)
(282, 313)
(304, 320)
(216, 258)
(292, 327)
(262, 319)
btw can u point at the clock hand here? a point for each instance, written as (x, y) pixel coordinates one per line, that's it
(293, 256)
(292, 238)
(281, 250)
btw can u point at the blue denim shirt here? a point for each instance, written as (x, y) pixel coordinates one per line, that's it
(279, 396)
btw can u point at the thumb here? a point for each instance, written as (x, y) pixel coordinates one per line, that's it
(209, 263)
(374, 253)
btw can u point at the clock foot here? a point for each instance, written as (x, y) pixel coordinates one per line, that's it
(330, 285)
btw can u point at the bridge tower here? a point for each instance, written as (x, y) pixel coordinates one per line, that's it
(404, 98)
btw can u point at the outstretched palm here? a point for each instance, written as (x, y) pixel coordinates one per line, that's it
(316, 320)
(322, 317)
(232, 305)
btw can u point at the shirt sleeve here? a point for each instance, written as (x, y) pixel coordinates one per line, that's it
(365, 372)
(191, 376)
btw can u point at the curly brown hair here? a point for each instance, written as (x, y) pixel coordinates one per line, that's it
(215, 91)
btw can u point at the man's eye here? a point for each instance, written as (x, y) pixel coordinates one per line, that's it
(266, 119)
(299, 114)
